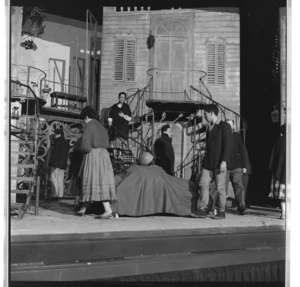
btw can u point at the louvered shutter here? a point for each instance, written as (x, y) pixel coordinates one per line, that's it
(221, 65)
(216, 64)
(130, 60)
(119, 59)
(211, 67)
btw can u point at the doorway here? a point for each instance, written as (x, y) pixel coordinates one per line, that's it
(171, 60)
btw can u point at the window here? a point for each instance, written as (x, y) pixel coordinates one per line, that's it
(216, 64)
(125, 60)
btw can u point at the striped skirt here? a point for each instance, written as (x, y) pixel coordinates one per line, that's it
(277, 190)
(98, 183)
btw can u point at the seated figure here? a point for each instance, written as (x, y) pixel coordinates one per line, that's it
(147, 189)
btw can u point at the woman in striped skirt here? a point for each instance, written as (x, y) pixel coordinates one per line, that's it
(278, 168)
(96, 171)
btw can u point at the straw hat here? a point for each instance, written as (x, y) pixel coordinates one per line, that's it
(145, 158)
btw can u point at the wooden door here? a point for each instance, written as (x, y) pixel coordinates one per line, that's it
(56, 75)
(170, 79)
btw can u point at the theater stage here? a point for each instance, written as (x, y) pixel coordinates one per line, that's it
(56, 245)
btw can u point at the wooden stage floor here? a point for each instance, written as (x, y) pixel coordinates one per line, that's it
(58, 218)
(57, 245)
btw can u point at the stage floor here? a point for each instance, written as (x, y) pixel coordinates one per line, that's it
(59, 218)
(57, 245)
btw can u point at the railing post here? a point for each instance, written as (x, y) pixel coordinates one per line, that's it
(194, 143)
(153, 134)
(37, 196)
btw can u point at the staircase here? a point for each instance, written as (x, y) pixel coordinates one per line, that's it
(141, 115)
(24, 143)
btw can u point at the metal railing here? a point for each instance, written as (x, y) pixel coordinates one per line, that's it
(65, 88)
(31, 132)
(137, 102)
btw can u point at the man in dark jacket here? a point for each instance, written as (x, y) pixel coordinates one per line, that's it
(164, 151)
(236, 168)
(58, 163)
(215, 162)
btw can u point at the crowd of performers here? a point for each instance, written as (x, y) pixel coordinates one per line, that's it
(151, 186)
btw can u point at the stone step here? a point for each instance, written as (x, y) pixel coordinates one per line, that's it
(22, 178)
(20, 191)
(23, 165)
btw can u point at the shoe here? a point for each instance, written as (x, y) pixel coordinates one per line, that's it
(81, 212)
(244, 211)
(76, 207)
(202, 213)
(220, 215)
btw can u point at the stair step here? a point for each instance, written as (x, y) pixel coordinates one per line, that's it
(23, 141)
(16, 131)
(22, 178)
(16, 205)
(25, 153)
(20, 191)
(23, 165)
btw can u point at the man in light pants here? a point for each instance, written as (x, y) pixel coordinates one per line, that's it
(237, 167)
(58, 163)
(215, 162)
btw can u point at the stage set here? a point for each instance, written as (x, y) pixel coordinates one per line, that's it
(48, 242)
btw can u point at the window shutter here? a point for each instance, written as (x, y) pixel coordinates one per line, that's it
(216, 64)
(211, 67)
(119, 59)
(221, 65)
(130, 60)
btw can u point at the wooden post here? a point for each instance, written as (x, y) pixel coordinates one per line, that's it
(87, 64)
(37, 196)
(153, 134)
(182, 151)
(194, 144)
(283, 61)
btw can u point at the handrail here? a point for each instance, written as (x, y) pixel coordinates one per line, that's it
(222, 107)
(201, 81)
(28, 73)
(45, 75)
(36, 128)
(35, 96)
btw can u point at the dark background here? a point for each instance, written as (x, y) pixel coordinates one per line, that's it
(260, 66)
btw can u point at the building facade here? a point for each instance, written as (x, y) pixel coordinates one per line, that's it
(173, 49)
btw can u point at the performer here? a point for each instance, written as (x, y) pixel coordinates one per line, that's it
(58, 163)
(120, 115)
(216, 159)
(236, 168)
(96, 171)
(164, 151)
(278, 169)
(76, 158)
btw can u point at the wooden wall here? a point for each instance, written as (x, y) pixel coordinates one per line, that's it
(207, 24)
(220, 24)
(136, 23)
